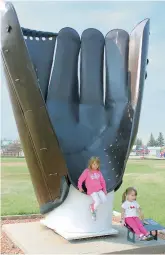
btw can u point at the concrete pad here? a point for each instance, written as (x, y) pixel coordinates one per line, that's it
(33, 238)
(81, 235)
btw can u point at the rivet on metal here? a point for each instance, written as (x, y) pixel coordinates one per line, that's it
(8, 28)
(109, 162)
(43, 149)
(110, 145)
(117, 176)
(6, 50)
(28, 111)
(53, 174)
(113, 169)
(17, 80)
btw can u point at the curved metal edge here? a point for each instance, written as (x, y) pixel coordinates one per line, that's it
(64, 190)
(138, 52)
(137, 61)
(24, 84)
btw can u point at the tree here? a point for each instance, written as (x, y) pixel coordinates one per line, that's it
(12, 149)
(138, 142)
(160, 140)
(151, 141)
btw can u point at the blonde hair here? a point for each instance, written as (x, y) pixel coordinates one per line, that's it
(94, 160)
(128, 191)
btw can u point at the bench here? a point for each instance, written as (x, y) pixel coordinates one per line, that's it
(150, 225)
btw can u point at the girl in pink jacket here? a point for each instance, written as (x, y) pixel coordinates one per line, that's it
(95, 184)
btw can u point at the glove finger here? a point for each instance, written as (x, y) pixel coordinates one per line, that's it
(64, 78)
(91, 69)
(116, 54)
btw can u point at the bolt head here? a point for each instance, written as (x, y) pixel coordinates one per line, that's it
(8, 29)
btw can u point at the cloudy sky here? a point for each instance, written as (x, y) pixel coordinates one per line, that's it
(52, 16)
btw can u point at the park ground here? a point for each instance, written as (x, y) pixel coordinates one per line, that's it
(148, 176)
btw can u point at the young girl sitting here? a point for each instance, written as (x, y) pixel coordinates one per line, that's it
(95, 184)
(130, 212)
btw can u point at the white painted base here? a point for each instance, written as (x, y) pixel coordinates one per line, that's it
(73, 220)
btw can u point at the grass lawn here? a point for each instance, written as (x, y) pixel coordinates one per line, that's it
(3, 160)
(148, 176)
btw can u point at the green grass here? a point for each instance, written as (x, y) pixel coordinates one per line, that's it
(148, 176)
(17, 191)
(12, 160)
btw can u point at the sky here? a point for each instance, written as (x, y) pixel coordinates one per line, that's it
(53, 15)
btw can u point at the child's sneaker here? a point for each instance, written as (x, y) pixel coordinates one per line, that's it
(143, 238)
(93, 213)
(149, 237)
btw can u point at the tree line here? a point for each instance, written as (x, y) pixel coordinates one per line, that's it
(10, 148)
(157, 142)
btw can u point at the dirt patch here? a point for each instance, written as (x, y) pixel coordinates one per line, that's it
(7, 245)
(151, 177)
(13, 174)
(13, 164)
(159, 166)
(139, 161)
(131, 174)
(155, 178)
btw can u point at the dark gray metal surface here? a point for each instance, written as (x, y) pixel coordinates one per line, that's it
(37, 47)
(85, 124)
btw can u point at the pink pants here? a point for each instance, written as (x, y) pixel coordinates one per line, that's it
(136, 225)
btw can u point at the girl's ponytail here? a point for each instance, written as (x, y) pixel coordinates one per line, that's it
(124, 196)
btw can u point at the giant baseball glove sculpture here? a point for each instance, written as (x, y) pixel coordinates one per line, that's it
(65, 114)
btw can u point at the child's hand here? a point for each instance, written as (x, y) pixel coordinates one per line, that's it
(81, 190)
(145, 222)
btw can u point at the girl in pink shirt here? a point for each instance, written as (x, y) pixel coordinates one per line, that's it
(95, 184)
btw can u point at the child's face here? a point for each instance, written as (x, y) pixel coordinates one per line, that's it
(94, 166)
(131, 196)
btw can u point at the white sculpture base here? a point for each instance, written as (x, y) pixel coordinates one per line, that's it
(72, 220)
